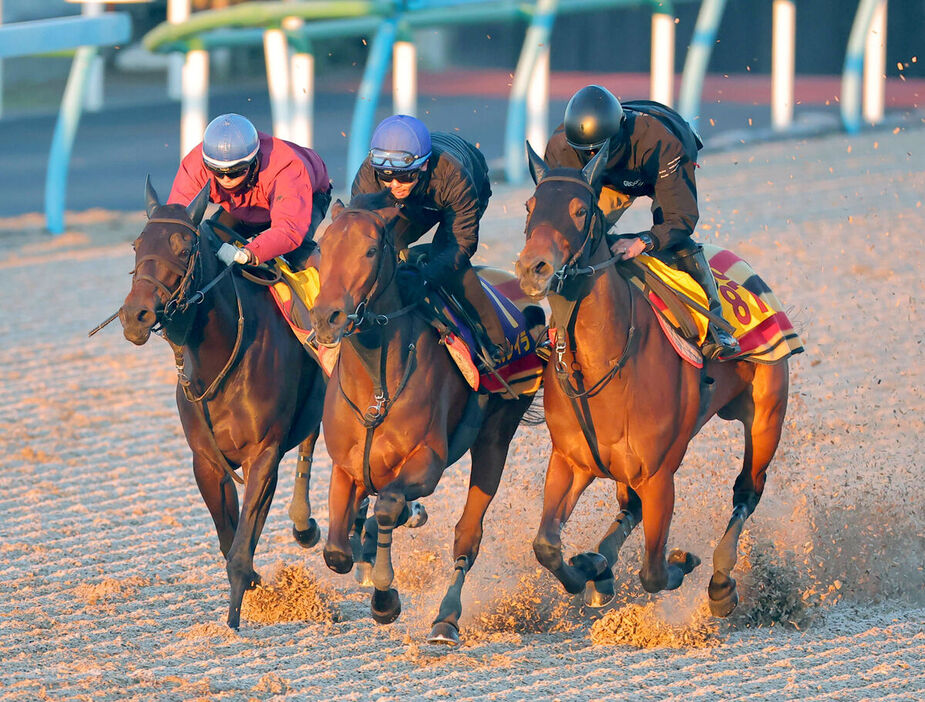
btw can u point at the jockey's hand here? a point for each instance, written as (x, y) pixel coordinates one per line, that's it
(229, 253)
(630, 247)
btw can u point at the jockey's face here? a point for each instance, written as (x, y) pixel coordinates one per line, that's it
(402, 187)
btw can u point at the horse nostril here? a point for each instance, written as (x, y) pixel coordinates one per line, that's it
(335, 315)
(541, 268)
(143, 316)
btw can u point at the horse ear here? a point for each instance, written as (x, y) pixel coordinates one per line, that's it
(595, 167)
(197, 208)
(151, 201)
(537, 165)
(336, 208)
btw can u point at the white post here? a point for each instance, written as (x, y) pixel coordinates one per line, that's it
(875, 66)
(194, 108)
(276, 56)
(538, 102)
(93, 98)
(177, 11)
(302, 90)
(662, 61)
(783, 38)
(404, 78)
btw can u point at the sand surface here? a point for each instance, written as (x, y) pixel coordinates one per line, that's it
(112, 585)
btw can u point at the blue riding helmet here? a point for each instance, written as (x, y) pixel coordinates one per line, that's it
(400, 144)
(230, 143)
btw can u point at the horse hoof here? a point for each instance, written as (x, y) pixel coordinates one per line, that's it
(592, 565)
(254, 582)
(234, 618)
(338, 561)
(723, 597)
(418, 516)
(385, 606)
(444, 634)
(684, 560)
(599, 593)
(364, 574)
(308, 537)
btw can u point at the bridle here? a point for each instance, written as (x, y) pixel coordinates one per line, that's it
(361, 316)
(374, 357)
(565, 303)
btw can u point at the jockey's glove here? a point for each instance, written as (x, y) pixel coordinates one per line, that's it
(229, 253)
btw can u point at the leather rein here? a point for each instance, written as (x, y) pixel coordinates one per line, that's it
(178, 302)
(375, 358)
(571, 270)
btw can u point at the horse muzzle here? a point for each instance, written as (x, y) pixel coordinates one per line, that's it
(137, 322)
(329, 324)
(535, 276)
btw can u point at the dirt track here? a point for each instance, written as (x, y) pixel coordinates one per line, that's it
(112, 585)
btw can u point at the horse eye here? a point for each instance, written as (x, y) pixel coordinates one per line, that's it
(581, 212)
(371, 252)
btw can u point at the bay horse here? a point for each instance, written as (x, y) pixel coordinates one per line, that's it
(247, 391)
(621, 404)
(397, 412)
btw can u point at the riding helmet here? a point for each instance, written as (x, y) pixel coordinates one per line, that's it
(592, 116)
(230, 141)
(400, 143)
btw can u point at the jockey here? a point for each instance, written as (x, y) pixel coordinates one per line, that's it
(437, 179)
(271, 191)
(653, 153)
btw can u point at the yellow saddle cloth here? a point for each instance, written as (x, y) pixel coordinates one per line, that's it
(764, 331)
(295, 295)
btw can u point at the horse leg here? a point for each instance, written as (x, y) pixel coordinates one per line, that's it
(600, 591)
(657, 496)
(489, 452)
(385, 604)
(221, 498)
(762, 414)
(258, 495)
(304, 528)
(344, 500)
(564, 485)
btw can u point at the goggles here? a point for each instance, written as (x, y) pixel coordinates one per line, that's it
(387, 175)
(396, 160)
(235, 171)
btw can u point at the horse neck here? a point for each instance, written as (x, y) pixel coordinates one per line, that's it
(214, 331)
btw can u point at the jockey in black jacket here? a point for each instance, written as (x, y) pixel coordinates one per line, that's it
(436, 179)
(653, 153)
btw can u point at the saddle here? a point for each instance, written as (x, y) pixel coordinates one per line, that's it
(751, 311)
(521, 320)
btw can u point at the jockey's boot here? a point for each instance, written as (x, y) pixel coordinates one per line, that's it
(694, 262)
(488, 330)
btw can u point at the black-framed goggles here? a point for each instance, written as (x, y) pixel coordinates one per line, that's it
(235, 171)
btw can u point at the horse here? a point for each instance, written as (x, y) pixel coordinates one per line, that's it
(247, 390)
(397, 413)
(621, 404)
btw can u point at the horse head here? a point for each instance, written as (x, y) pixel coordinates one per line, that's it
(165, 255)
(564, 223)
(358, 264)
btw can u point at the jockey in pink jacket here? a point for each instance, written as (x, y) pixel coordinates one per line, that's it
(275, 192)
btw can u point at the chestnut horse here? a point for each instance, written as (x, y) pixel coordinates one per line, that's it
(247, 391)
(621, 404)
(397, 412)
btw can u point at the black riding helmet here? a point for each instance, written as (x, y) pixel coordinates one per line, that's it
(592, 116)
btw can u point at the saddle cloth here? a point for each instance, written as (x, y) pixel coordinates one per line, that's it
(523, 371)
(764, 331)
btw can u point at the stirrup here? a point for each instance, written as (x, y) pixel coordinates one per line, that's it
(722, 343)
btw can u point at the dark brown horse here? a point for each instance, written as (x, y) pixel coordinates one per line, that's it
(247, 390)
(621, 404)
(397, 412)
